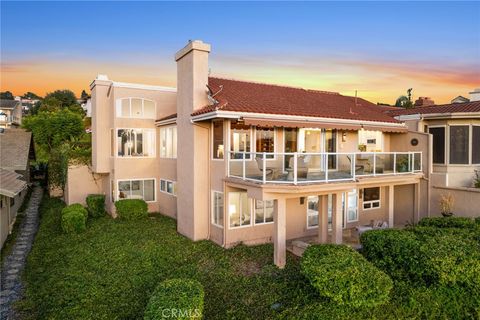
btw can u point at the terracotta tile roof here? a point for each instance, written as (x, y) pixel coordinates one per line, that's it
(241, 96)
(443, 108)
(171, 116)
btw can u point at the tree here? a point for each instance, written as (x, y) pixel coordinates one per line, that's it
(53, 128)
(31, 96)
(405, 101)
(84, 95)
(66, 97)
(7, 95)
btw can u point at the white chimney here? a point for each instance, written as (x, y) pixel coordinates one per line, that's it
(475, 95)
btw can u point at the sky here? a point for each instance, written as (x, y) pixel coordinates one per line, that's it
(379, 49)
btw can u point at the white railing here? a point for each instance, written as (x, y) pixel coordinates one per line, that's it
(297, 168)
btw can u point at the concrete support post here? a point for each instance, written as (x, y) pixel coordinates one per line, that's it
(280, 233)
(322, 218)
(337, 215)
(390, 206)
(416, 196)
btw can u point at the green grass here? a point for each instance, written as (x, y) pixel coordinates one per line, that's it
(110, 271)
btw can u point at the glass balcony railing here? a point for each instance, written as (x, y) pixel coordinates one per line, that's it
(297, 168)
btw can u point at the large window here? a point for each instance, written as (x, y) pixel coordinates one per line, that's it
(459, 144)
(137, 189)
(136, 108)
(217, 208)
(312, 211)
(371, 198)
(239, 209)
(168, 142)
(136, 142)
(240, 140)
(475, 144)
(438, 144)
(352, 206)
(265, 141)
(263, 211)
(218, 144)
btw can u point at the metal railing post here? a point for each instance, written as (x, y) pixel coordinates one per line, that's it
(354, 158)
(394, 163)
(295, 172)
(243, 165)
(325, 155)
(374, 164)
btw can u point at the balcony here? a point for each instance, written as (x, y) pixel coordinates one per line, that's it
(300, 168)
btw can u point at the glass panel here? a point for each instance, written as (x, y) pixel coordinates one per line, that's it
(170, 187)
(476, 144)
(352, 213)
(138, 143)
(174, 142)
(312, 211)
(124, 189)
(259, 212)
(163, 142)
(149, 190)
(269, 207)
(245, 204)
(137, 189)
(218, 208)
(124, 144)
(136, 108)
(364, 164)
(125, 108)
(384, 163)
(265, 140)
(163, 185)
(234, 208)
(218, 147)
(459, 144)
(370, 194)
(331, 146)
(417, 161)
(290, 135)
(402, 162)
(240, 140)
(438, 144)
(149, 109)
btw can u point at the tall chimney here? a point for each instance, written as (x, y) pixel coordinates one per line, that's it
(192, 142)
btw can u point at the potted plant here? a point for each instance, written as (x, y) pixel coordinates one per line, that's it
(476, 180)
(362, 147)
(446, 205)
(402, 164)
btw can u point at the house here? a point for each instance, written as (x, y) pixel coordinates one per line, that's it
(460, 99)
(455, 130)
(10, 113)
(244, 162)
(16, 152)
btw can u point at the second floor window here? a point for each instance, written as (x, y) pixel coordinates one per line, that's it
(136, 142)
(266, 141)
(240, 141)
(168, 142)
(136, 108)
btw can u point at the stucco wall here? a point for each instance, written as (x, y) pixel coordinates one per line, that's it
(81, 182)
(8, 214)
(466, 201)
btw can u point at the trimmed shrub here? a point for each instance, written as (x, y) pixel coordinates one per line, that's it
(343, 275)
(447, 222)
(177, 299)
(75, 207)
(394, 251)
(96, 205)
(131, 209)
(477, 221)
(74, 221)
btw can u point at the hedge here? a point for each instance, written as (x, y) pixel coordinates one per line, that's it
(74, 221)
(177, 299)
(131, 209)
(448, 257)
(96, 205)
(343, 275)
(447, 222)
(75, 207)
(394, 251)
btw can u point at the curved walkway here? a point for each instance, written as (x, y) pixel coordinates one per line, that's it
(11, 288)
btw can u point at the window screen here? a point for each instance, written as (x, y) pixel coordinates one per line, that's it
(438, 144)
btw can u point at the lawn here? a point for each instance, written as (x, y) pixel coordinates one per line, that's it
(110, 271)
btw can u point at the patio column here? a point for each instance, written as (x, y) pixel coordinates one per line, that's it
(280, 233)
(390, 206)
(416, 196)
(337, 214)
(322, 218)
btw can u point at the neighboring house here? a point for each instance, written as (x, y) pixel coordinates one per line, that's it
(244, 162)
(87, 107)
(455, 130)
(460, 99)
(27, 104)
(16, 151)
(10, 113)
(12, 192)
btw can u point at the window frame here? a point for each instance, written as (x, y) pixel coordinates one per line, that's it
(119, 113)
(469, 144)
(347, 206)
(212, 151)
(254, 209)
(309, 215)
(230, 227)
(230, 151)
(371, 202)
(154, 143)
(445, 151)
(213, 211)
(166, 182)
(117, 192)
(164, 128)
